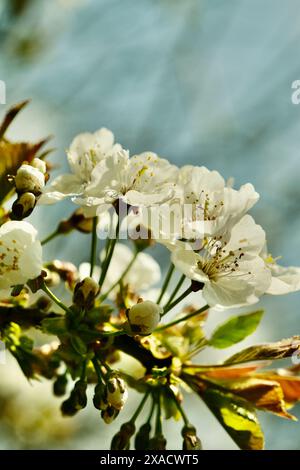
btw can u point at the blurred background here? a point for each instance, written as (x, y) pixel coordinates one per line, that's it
(206, 82)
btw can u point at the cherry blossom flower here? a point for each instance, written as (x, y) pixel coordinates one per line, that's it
(232, 270)
(20, 254)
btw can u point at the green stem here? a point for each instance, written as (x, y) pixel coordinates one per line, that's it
(93, 246)
(176, 301)
(158, 424)
(83, 372)
(166, 282)
(180, 409)
(151, 411)
(175, 291)
(114, 333)
(184, 318)
(54, 298)
(97, 369)
(109, 256)
(140, 407)
(107, 367)
(50, 237)
(105, 295)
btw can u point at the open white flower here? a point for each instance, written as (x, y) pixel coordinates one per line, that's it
(143, 179)
(215, 205)
(232, 270)
(85, 152)
(203, 206)
(102, 172)
(20, 254)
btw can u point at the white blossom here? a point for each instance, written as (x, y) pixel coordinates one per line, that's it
(20, 254)
(202, 206)
(85, 152)
(102, 172)
(143, 179)
(232, 270)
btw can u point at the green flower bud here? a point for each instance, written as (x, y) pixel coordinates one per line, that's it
(190, 439)
(117, 392)
(60, 385)
(142, 437)
(29, 179)
(39, 165)
(23, 206)
(85, 293)
(158, 443)
(121, 441)
(110, 414)
(144, 317)
(100, 397)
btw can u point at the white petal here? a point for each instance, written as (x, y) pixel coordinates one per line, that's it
(63, 186)
(248, 235)
(21, 253)
(186, 262)
(284, 279)
(229, 293)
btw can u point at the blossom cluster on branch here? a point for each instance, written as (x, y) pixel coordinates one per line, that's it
(217, 256)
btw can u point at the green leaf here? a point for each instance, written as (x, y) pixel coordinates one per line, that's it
(269, 351)
(235, 330)
(238, 418)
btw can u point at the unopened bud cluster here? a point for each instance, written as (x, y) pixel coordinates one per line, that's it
(110, 397)
(29, 183)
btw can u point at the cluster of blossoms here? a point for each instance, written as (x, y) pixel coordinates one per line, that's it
(114, 307)
(202, 221)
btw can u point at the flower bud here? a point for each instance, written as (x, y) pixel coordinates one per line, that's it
(29, 179)
(100, 397)
(117, 392)
(68, 408)
(110, 414)
(39, 165)
(144, 317)
(79, 394)
(77, 400)
(23, 206)
(158, 443)
(121, 441)
(85, 293)
(60, 386)
(142, 437)
(190, 439)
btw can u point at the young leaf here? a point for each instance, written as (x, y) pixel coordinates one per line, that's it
(264, 394)
(12, 155)
(235, 330)
(237, 416)
(290, 384)
(263, 352)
